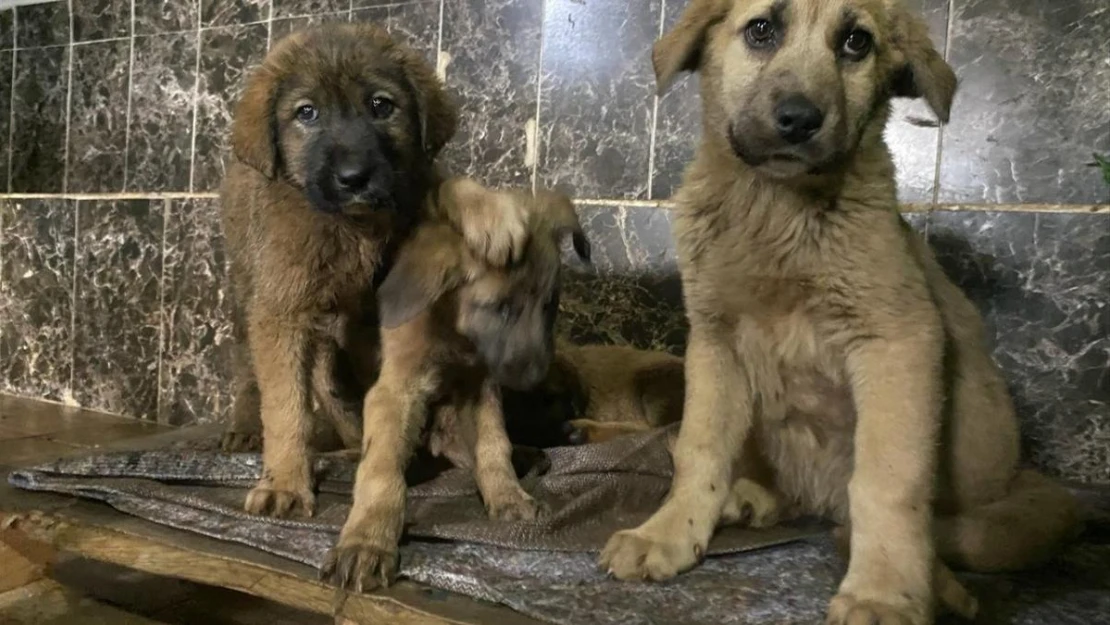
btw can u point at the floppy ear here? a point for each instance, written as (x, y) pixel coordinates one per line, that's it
(925, 74)
(560, 210)
(254, 135)
(680, 49)
(428, 266)
(435, 112)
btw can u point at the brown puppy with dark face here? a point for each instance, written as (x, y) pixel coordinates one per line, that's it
(455, 330)
(333, 140)
(801, 280)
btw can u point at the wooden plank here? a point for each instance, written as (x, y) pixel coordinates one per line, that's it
(48, 603)
(397, 606)
(98, 532)
(19, 569)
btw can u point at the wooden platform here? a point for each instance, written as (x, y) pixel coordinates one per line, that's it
(55, 543)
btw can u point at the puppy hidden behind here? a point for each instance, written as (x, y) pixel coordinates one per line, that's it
(454, 330)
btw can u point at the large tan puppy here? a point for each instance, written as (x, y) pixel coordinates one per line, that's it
(802, 281)
(455, 331)
(334, 140)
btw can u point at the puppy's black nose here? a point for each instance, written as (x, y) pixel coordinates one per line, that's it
(797, 119)
(352, 176)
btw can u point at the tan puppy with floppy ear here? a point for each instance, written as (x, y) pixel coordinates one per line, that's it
(801, 279)
(455, 329)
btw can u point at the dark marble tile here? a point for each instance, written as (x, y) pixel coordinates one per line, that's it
(988, 255)
(98, 116)
(629, 239)
(495, 86)
(417, 24)
(39, 120)
(913, 146)
(6, 60)
(7, 29)
(282, 27)
(295, 8)
(597, 96)
(162, 94)
(677, 132)
(165, 16)
(678, 122)
(117, 320)
(1041, 281)
(36, 297)
(378, 16)
(632, 293)
(101, 19)
(196, 355)
(1032, 104)
(1064, 347)
(414, 23)
(919, 221)
(227, 56)
(230, 12)
(45, 24)
(362, 4)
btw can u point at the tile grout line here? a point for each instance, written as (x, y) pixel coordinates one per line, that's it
(162, 312)
(905, 207)
(655, 114)
(69, 100)
(71, 392)
(196, 107)
(940, 128)
(3, 381)
(11, 97)
(270, 25)
(439, 42)
(130, 91)
(538, 135)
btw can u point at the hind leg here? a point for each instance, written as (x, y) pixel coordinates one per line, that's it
(244, 429)
(1020, 530)
(339, 406)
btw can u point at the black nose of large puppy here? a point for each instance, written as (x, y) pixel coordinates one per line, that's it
(797, 119)
(352, 176)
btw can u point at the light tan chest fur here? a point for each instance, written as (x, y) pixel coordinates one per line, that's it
(786, 290)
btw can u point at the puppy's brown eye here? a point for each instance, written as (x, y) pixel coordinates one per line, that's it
(759, 33)
(381, 107)
(857, 44)
(307, 114)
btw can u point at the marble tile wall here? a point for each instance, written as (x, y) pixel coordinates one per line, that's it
(117, 302)
(556, 91)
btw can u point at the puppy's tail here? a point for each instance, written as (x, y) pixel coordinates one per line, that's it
(1016, 532)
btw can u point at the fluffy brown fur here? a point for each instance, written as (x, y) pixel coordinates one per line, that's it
(455, 329)
(802, 282)
(333, 146)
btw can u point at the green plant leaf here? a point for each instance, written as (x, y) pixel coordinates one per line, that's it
(1104, 164)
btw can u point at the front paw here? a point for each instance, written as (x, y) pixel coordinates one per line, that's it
(271, 499)
(514, 506)
(360, 566)
(639, 555)
(848, 609)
